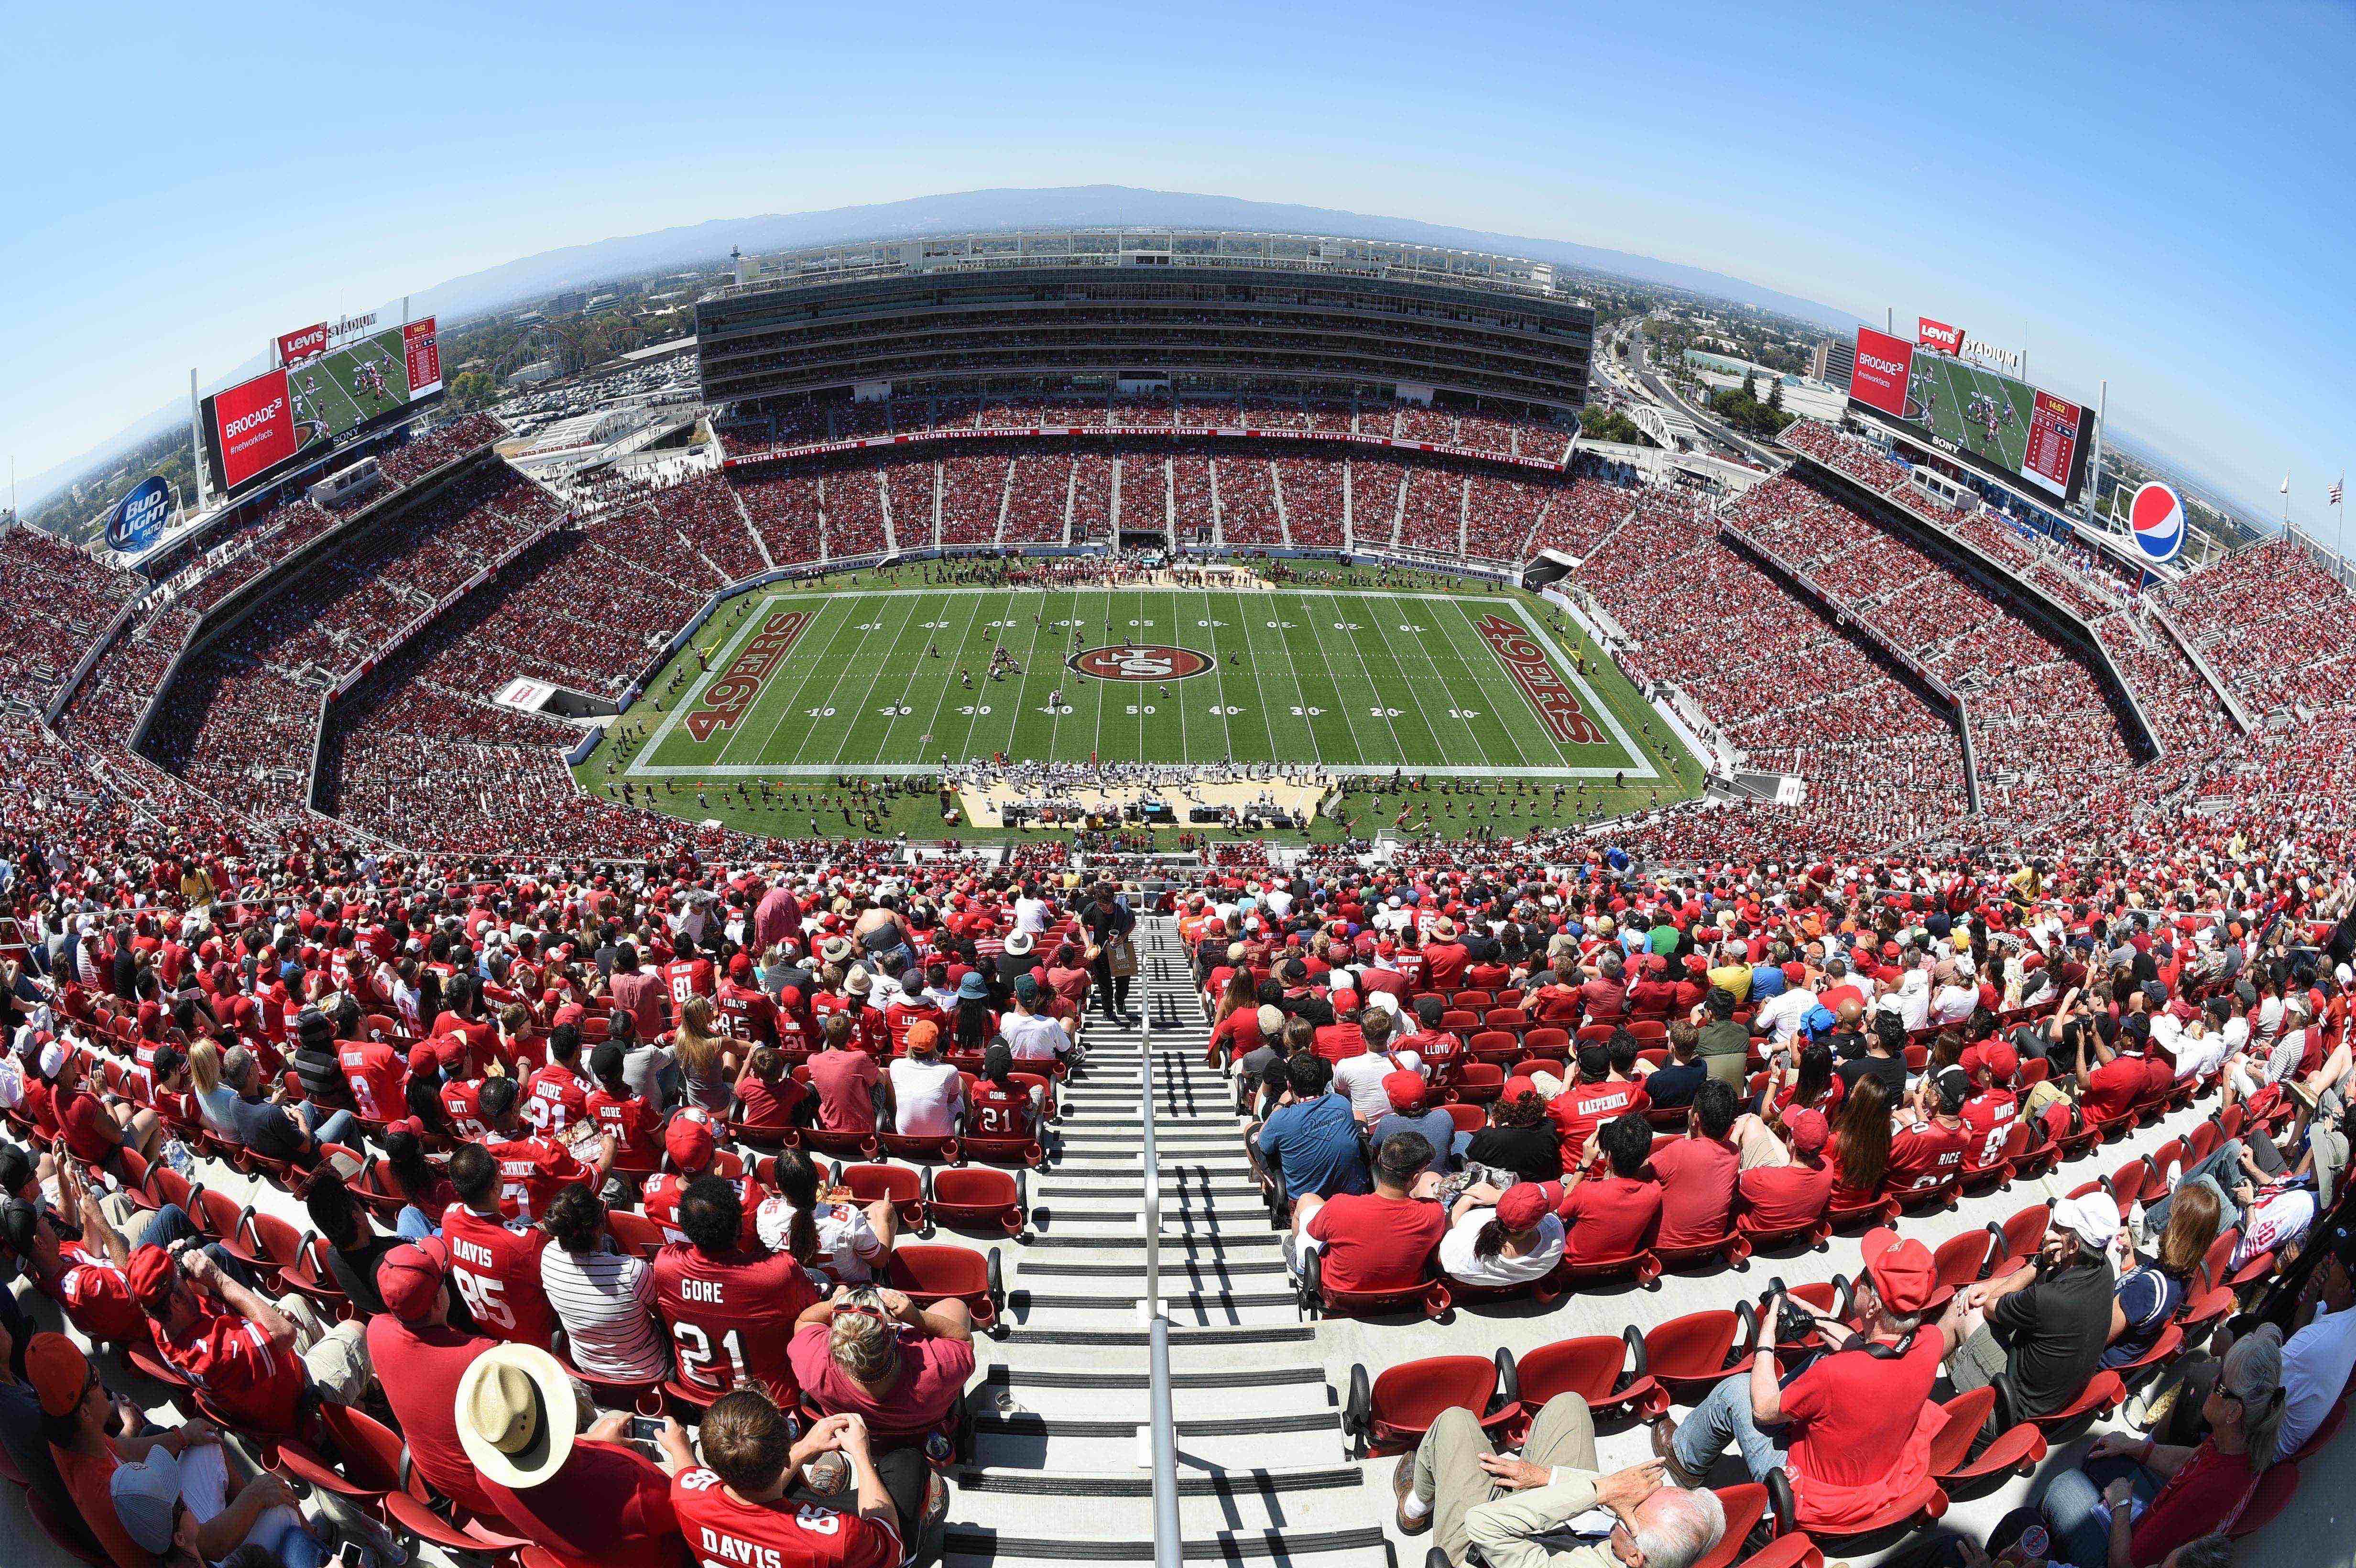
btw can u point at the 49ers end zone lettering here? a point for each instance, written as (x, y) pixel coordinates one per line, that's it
(725, 700)
(1141, 662)
(1556, 706)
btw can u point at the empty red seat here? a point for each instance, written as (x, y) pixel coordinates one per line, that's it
(929, 1274)
(977, 1199)
(1391, 1414)
(1610, 1374)
(1690, 1354)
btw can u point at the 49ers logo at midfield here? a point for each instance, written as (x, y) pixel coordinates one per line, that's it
(1140, 662)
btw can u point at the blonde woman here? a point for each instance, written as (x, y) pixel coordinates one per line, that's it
(707, 1067)
(215, 1098)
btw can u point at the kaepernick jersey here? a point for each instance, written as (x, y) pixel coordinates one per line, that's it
(723, 1532)
(554, 1099)
(533, 1171)
(497, 1269)
(732, 1319)
(1579, 1110)
(661, 1204)
(745, 1014)
(376, 1074)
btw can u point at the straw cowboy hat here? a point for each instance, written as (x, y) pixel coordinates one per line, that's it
(517, 1414)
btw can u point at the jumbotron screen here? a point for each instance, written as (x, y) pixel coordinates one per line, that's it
(2006, 428)
(318, 400)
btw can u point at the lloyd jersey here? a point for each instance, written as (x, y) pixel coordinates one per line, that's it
(723, 1532)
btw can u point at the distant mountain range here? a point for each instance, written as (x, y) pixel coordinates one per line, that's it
(535, 277)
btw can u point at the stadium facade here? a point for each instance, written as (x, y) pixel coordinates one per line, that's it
(1138, 310)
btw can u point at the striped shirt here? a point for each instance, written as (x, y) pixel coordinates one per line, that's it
(605, 1301)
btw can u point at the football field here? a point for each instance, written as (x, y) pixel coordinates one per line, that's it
(1961, 399)
(800, 684)
(329, 387)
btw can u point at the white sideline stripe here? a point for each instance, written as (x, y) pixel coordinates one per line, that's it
(1564, 667)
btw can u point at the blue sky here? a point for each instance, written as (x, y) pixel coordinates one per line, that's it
(2156, 194)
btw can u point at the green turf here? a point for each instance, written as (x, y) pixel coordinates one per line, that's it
(1321, 674)
(1952, 386)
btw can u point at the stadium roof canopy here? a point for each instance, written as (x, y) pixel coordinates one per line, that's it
(1200, 249)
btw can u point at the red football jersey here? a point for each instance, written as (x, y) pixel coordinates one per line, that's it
(554, 1099)
(635, 1126)
(661, 1204)
(531, 1172)
(744, 1014)
(685, 977)
(376, 1074)
(1988, 1118)
(248, 1378)
(462, 1103)
(97, 1296)
(497, 1269)
(995, 1112)
(732, 1319)
(725, 1532)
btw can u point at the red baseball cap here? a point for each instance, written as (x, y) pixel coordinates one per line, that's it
(1904, 1275)
(410, 1278)
(1343, 999)
(1806, 1129)
(1516, 1087)
(690, 1143)
(739, 966)
(1522, 1205)
(2001, 1060)
(1406, 1090)
(150, 1272)
(1796, 974)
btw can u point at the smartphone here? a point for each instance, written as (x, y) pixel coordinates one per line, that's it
(644, 1430)
(352, 1555)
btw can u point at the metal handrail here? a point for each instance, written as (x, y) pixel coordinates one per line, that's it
(1166, 1542)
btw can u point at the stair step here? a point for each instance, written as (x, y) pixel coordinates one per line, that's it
(963, 1547)
(1247, 1483)
(1226, 1334)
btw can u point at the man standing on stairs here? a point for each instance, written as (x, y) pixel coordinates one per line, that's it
(1515, 1509)
(1111, 925)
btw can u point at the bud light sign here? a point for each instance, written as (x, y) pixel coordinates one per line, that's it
(139, 520)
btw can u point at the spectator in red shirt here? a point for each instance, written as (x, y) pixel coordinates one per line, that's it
(1928, 1152)
(638, 991)
(1445, 959)
(95, 1128)
(1989, 1114)
(1854, 1428)
(557, 1096)
(731, 1310)
(1594, 1099)
(1698, 1172)
(419, 1357)
(1381, 1240)
(767, 1097)
(532, 1165)
(576, 1488)
(751, 1502)
(1604, 995)
(1782, 1196)
(245, 1352)
(1614, 1215)
(845, 1078)
(631, 1126)
(494, 1257)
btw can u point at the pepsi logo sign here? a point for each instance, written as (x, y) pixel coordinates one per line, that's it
(2155, 519)
(1140, 662)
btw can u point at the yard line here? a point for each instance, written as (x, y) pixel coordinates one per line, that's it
(1021, 687)
(1225, 650)
(1309, 726)
(1317, 631)
(662, 734)
(884, 668)
(1177, 620)
(1441, 683)
(816, 662)
(957, 653)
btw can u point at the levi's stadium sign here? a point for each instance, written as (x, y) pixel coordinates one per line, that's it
(1938, 335)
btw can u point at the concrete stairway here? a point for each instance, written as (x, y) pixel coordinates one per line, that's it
(1062, 1456)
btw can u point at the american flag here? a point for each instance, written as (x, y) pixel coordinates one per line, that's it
(2336, 485)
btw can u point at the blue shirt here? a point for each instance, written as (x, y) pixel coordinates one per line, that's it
(1438, 1127)
(1766, 980)
(1315, 1145)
